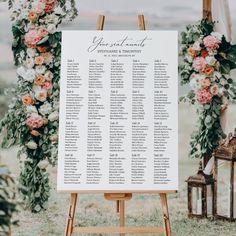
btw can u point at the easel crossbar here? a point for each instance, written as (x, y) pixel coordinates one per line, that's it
(114, 230)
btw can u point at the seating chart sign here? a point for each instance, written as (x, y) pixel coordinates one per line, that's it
(118, 111)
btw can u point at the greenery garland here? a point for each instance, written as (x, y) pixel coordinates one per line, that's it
(207, 61)
(32, 118)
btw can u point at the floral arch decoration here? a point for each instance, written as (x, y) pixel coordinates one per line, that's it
(32, 119)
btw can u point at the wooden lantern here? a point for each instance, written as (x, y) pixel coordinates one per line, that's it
(226, 152)
(200, 182)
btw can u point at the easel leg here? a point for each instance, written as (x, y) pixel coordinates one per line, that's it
(122, 214)
(165, 213)
(71, 214)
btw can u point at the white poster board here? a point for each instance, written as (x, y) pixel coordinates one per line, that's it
(118, 111)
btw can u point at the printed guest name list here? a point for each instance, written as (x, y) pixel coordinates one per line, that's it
(118, 111)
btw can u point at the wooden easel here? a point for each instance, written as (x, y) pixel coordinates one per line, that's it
(120, 198)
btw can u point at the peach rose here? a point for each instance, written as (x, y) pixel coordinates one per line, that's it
(192, 52)
(27, 100)
(209, 70)
(32, 16)
(39, 80)
(39, 60)
(35, 133)
(47, 56)
(205, 83)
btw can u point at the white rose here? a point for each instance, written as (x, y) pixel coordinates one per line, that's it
(31, 145)
(45, 109)
(30, 75)
(196, 46)
(29, 63)
(210, 60)
(43, 164)
(21, 71)
(217, 35)
(31, 109)
(48, 75)
(31, 52)
(53, 116)
(40, 69)
(51, 28)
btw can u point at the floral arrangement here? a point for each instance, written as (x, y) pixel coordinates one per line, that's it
(207, 61)
(32, 118)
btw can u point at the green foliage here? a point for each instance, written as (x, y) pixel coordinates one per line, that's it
(209, 132)
(8, 201)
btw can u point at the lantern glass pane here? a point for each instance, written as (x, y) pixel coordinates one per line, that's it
(197, 200)
(223, 188)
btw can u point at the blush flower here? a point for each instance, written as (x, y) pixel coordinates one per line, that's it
(214, 90)
(32, 38)
(41, 95)
(199, 64)
(47, 85)
(39, 80)
(211, 42)
(205, 83)
(203, 96)
(42, 32)
(39, 60)
(34, 121)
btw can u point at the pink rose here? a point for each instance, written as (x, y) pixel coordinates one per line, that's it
(199, 64)
(32, 37)
(41, 95)
(42, 32)
(39, 8)
(47, 85)
(203, 96)
(34, 121)
(211, 42)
